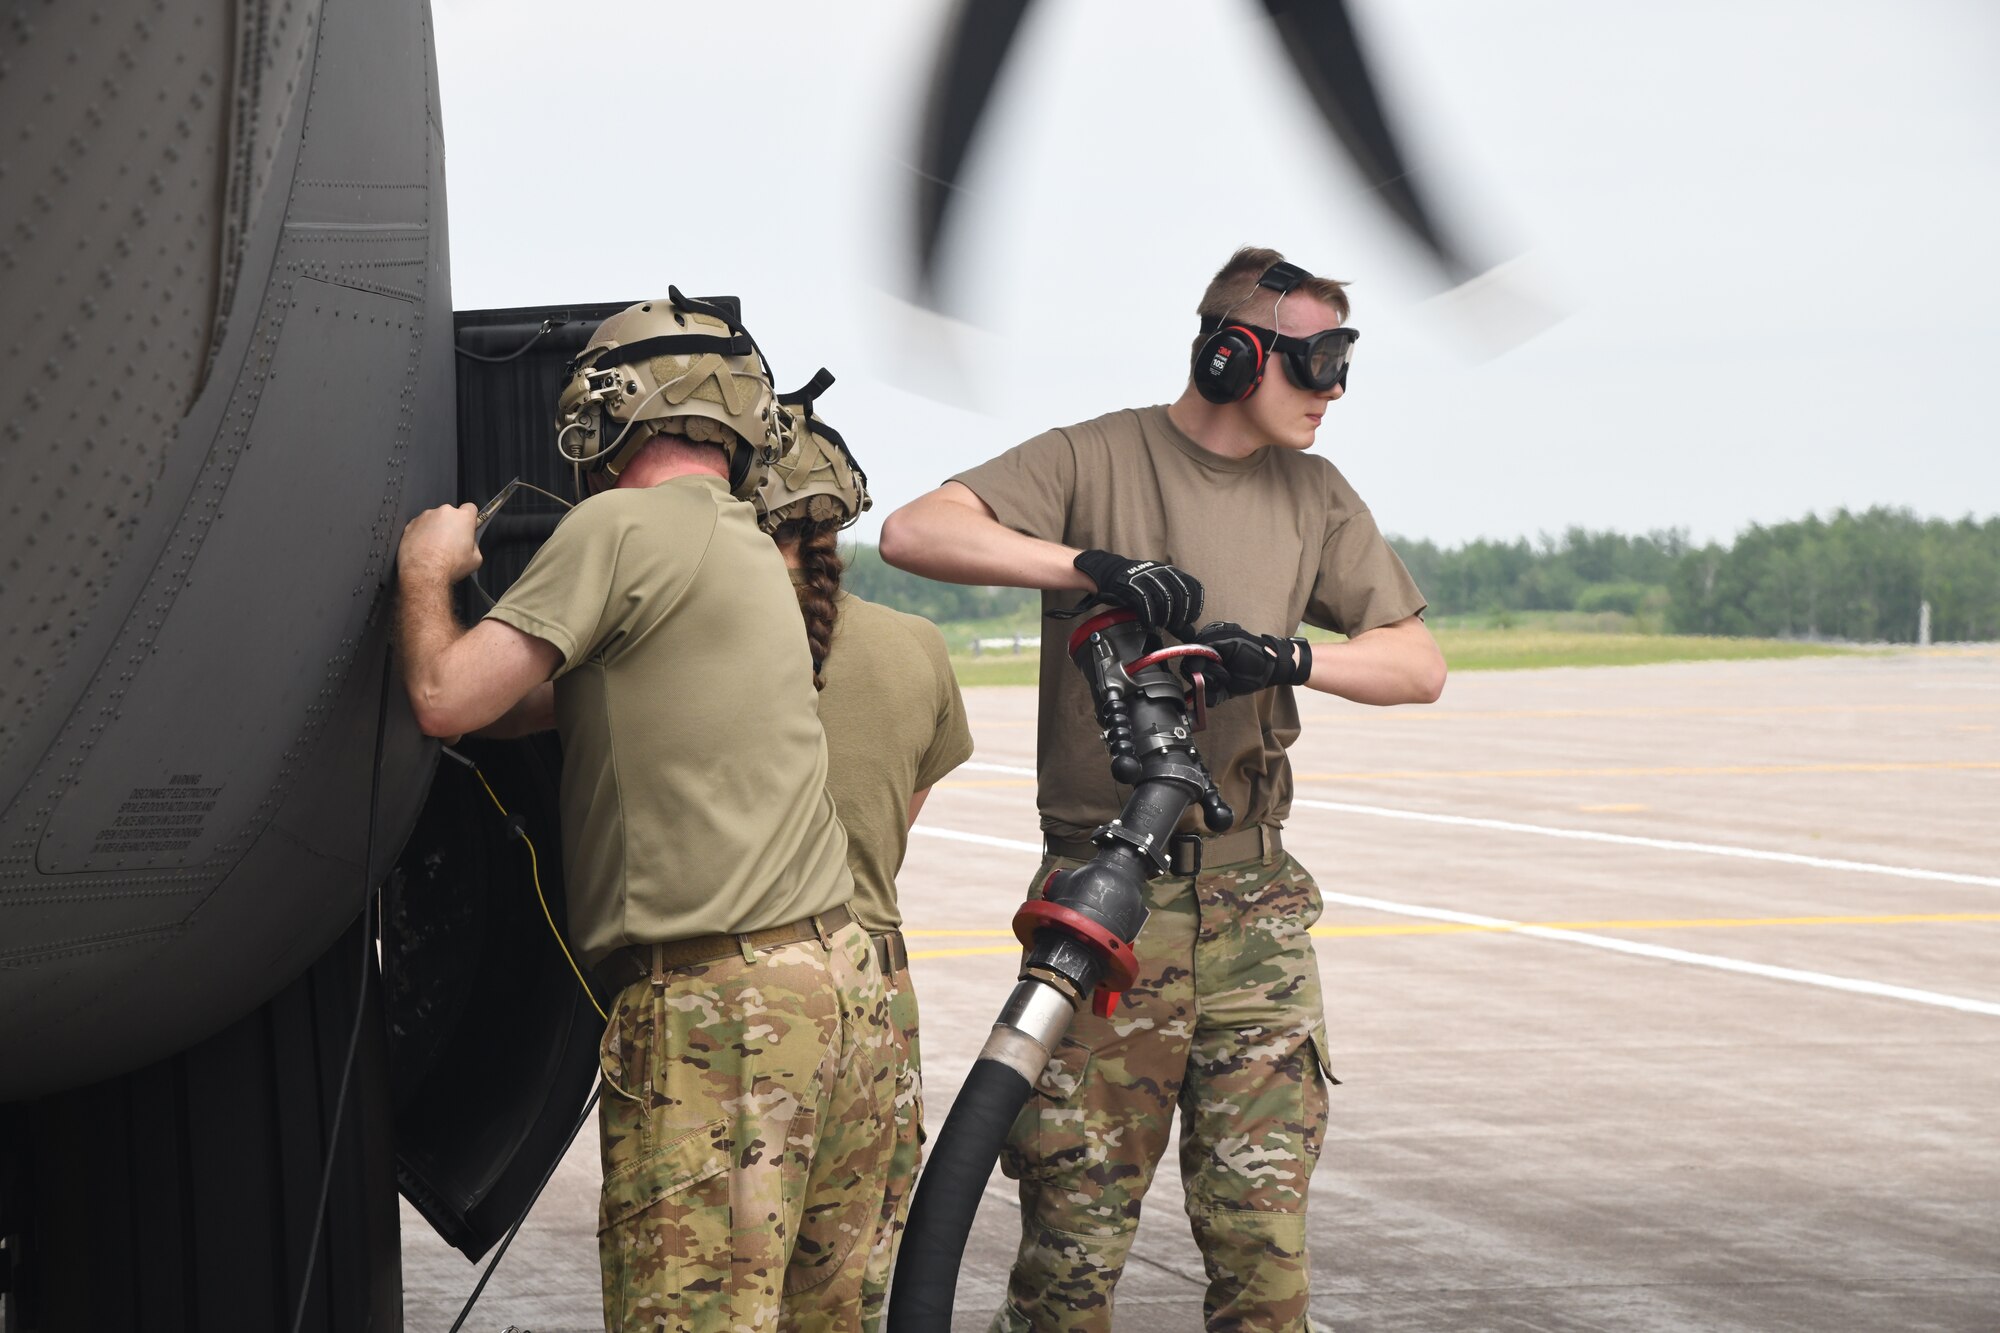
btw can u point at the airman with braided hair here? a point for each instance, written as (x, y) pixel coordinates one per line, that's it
(745, 1061)
(895, 724)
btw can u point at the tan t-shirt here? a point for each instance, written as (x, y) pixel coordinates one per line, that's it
(1276, 539)
(895, 724)
(694, 770)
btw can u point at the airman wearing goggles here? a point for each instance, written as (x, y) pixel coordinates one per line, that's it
(1234, 534)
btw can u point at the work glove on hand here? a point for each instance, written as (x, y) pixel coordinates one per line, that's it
(1165, 597)
(1250, 662)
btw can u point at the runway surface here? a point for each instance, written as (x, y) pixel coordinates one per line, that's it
(1663, 998)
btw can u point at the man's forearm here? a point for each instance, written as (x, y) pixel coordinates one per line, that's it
(425, 628)
(1394, 664)
(946, 539)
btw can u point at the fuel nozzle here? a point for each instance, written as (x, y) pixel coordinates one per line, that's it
(1080, 932)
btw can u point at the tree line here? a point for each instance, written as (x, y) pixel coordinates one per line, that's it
(1860, 576)
(868, 575)
(1852, 576)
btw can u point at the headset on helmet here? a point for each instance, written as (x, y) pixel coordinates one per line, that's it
(815, 477)
(684, 366)
(1230, 361)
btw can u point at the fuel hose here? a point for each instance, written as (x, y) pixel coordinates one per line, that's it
(1078, 937)
(942, 1212)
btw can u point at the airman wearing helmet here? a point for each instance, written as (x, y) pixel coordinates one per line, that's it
(679, 367)
(744, 1067)
(876, 669)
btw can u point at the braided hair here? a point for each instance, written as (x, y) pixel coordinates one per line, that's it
(820, 562)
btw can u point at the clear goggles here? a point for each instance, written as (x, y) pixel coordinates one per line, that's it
(1317, 362)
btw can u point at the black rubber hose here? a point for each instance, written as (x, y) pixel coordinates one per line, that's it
(948, 1195)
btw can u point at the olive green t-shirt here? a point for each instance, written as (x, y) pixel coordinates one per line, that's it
(694, 770)
(895, 724)
(1277, 539)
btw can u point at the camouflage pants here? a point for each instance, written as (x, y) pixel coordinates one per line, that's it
(1225, 1024)
(744, 1138)
(908, 1152)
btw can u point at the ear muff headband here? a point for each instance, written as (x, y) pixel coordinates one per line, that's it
(1282, 277)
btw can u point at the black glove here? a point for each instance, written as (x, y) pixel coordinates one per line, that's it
(1250, 662)
(1165, 597)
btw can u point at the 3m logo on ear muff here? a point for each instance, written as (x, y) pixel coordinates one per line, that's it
(1229, 365)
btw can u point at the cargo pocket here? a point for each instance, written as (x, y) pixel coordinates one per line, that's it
(1316, 1102)
(1050, 1137)
(664, 1225)
(1318, 1036)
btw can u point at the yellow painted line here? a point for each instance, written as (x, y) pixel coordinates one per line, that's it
(954, 934)
(1687, 710)
(1612, 809)
(965, 953)
(1459, 928)
(1698, 923)
(1662, 771)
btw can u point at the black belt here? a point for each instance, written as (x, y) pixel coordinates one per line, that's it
(1187, 853)
(636, 962)
(891, 954)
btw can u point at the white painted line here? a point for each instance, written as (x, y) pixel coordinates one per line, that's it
(981, 839)
(1617, 839)
(1661, 952)
(1616, 945)
(1657, 844)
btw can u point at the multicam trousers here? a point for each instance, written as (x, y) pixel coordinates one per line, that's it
(1224, 1024)
(908, 1152)
(743, 1121)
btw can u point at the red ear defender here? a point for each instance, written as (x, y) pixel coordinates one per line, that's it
(1229, 364)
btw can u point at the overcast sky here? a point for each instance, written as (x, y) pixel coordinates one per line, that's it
(1768, 228)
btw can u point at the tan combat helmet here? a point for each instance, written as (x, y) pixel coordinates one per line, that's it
(681, 366)
(815, 477)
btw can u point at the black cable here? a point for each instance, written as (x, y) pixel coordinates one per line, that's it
(533, 1199)
(548, 326)
(360, 998)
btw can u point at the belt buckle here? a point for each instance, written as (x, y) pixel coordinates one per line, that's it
(1174, 846)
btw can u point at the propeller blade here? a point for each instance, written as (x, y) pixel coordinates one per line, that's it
(975, 48)
(1320, 38)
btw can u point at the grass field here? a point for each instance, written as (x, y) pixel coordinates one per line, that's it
(1478, 648)
(1520, 649)
(992, 669)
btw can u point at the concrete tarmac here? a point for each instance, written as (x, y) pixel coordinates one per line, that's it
(1663, 998)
